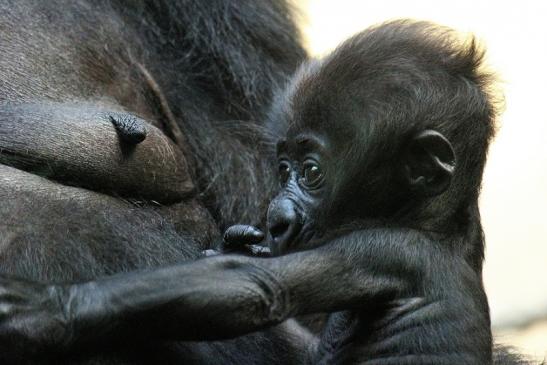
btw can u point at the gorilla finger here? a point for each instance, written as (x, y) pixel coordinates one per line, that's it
(240, 235)
(210, 252)
(260, 251)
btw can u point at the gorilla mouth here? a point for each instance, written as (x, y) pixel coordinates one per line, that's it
(301, 241)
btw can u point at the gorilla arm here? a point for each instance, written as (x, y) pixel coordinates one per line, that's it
(217, 297)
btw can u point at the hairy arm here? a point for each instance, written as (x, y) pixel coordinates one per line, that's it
(223, 296)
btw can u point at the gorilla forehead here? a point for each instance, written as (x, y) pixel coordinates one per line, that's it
(396, 79)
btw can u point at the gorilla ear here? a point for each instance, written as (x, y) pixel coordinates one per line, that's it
(429, 163)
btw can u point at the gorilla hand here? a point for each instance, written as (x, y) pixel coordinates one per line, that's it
(32, 318)
(244, 239)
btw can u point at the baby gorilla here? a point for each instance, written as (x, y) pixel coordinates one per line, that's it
(377, 220)
(382, 162)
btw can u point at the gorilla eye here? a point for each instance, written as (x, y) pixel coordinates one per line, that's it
(312, 174)
(284, 172)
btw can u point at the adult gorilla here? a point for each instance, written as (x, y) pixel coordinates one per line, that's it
(77, 201)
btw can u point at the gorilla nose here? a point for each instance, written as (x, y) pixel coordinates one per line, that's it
(283, 224)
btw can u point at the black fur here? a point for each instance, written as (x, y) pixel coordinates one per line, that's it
(203, 70)
(367, 104)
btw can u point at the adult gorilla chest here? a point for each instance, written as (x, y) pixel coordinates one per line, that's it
(82, 52)
(97, 209)
(62, 169)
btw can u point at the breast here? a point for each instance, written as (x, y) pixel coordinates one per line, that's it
(77, 144)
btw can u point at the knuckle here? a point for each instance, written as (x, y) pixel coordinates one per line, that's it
(6, 309)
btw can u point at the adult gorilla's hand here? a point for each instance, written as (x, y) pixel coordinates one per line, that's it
(32, 318)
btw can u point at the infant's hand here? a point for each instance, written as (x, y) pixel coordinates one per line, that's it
(244, 239)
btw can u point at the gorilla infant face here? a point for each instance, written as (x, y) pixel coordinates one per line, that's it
(302, 161)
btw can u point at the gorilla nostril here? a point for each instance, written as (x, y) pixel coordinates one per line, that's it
(283, 223)
(279, 228)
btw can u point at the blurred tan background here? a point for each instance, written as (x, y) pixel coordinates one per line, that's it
(514, 198)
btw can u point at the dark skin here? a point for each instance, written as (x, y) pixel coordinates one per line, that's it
(376, 222)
